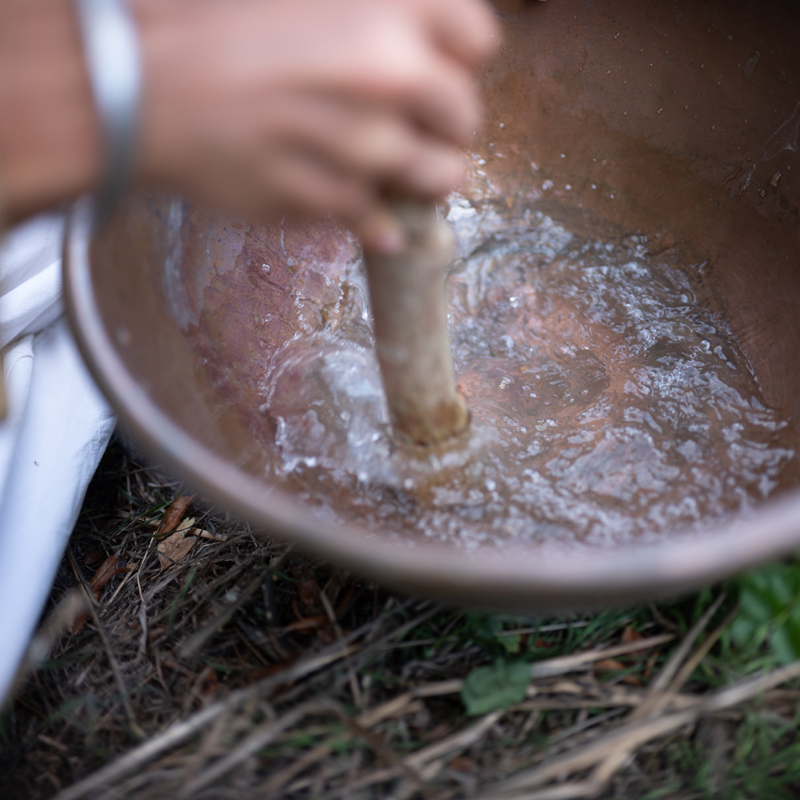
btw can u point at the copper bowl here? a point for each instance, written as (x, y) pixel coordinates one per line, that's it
(686, 117)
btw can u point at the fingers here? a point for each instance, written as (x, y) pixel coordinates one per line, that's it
(467, 29)
(311, 186)
(308, 185)
(309, 105)
(378, 230)
(372, 143)
(398, 64)
(444, 101)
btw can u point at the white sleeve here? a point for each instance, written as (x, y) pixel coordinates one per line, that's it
(52, 439)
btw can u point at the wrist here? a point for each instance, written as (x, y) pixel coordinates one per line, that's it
(173, 35)
(50, 141)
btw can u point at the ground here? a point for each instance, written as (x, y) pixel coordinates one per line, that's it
(215, 662)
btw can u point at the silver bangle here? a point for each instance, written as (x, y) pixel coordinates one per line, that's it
(113, 60)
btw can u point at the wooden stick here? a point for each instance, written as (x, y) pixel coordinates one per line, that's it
(411, 342)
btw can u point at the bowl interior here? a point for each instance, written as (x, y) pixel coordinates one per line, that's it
(670, 123)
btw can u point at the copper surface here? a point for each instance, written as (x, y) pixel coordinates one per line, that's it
(684, 117)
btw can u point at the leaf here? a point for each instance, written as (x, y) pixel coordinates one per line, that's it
(107, 570)
(770, 610)
(613, 665)
(93, 557)
(511, 642)
(306, 624)
(630, 635)
(765, 593)
(177, 546)
(747, 632)
(609, 665)
(492, 688)
(209, 682)
(174, 514)
(782, 646)
(785, 639)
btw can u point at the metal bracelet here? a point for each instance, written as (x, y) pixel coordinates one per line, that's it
(113, 60)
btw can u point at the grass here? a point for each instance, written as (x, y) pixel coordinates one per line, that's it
(253, 671)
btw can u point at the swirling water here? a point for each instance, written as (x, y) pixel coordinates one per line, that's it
(607, 401)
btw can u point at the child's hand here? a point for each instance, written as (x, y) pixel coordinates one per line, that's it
(312, 106)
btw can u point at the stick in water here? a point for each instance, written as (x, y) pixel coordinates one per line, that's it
(411, 342)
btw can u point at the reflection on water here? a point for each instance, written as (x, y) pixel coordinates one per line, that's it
(606, 401)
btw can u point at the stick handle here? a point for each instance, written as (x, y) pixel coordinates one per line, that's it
(411, 342)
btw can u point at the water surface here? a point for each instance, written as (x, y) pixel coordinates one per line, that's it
(608, 402)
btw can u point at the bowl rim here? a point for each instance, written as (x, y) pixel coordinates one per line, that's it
(582, 578)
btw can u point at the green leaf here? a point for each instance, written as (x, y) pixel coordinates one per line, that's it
(785, 639)
(491, 688)
(769, 591)
(770, 609)
(511, 642)
(747, 632)
(754, 606)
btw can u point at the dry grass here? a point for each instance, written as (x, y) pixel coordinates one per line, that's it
(245, 670)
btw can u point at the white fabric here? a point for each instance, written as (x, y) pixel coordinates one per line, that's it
(30, 276)
(55, 433)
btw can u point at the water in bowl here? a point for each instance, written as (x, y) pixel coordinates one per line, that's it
(608, 401)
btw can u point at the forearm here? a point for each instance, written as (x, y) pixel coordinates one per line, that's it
(50, 147)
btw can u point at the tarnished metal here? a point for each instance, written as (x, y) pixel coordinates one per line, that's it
(667, 116)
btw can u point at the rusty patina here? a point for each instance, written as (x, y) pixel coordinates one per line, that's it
(670, 117)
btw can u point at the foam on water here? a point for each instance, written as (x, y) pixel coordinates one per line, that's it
(607, 401)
